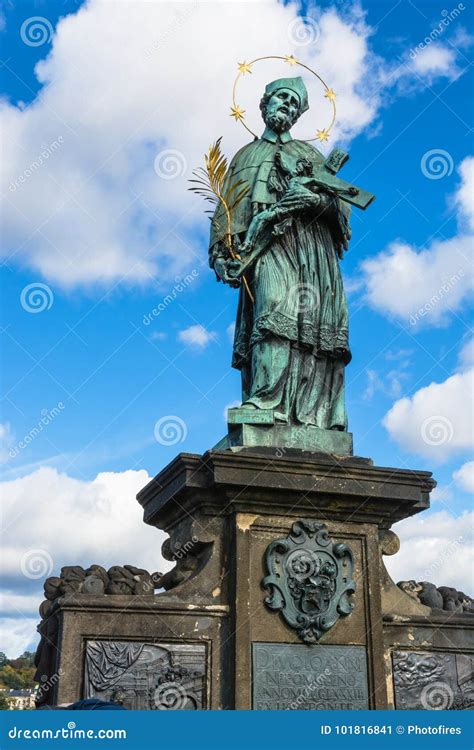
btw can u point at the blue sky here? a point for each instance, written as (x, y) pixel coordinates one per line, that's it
(111, 238)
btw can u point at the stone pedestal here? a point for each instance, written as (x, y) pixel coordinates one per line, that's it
(226, 508)
(279, 598)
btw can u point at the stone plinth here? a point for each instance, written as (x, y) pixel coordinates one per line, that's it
(230, 506)
(279, 597)
(260, 428)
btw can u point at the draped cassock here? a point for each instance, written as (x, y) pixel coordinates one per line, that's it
(292, 343)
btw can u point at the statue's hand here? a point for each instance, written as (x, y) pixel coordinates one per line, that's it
(297, 197)
(233, 268)
(222, 268)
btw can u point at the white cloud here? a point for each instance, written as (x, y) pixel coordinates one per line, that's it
(389, 383)
(17, 604)
(464, 476)
(441, 494)
(18, 635)
(436, 60)
(466, 355)
(392, 278)
(77, 522)
(87, 174)
(436, 421)
(196, 336)
(51, 519)
(435, 548)
(464, 196)
(394, 286)
(7, 440)
(231, 331)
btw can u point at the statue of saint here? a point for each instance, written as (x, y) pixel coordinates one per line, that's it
(291, 340)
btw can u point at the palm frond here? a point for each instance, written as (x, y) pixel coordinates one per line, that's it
(210, 183)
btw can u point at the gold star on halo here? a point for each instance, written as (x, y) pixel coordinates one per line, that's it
(237, 112)
(244, 68)
(322, 135)
(330, 94)
(291, 60)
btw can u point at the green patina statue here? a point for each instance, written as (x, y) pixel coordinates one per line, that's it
(288, 234)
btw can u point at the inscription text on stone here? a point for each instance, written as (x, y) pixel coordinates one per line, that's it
(313, 678)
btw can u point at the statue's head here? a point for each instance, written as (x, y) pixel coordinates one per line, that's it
(283, 102)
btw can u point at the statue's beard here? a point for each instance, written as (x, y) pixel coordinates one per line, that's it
(278, 121)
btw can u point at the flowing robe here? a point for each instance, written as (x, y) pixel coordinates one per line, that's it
(291, 344)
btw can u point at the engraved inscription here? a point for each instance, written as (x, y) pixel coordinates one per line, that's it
(312, 678)
(146, 676)
(433, 680)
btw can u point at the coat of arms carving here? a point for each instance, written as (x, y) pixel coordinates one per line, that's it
(309, 579)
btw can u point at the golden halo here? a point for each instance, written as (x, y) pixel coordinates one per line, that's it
(246, 67)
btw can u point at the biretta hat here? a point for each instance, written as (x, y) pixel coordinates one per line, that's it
(294, 84)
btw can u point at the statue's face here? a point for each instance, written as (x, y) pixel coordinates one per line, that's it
(282, 110)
